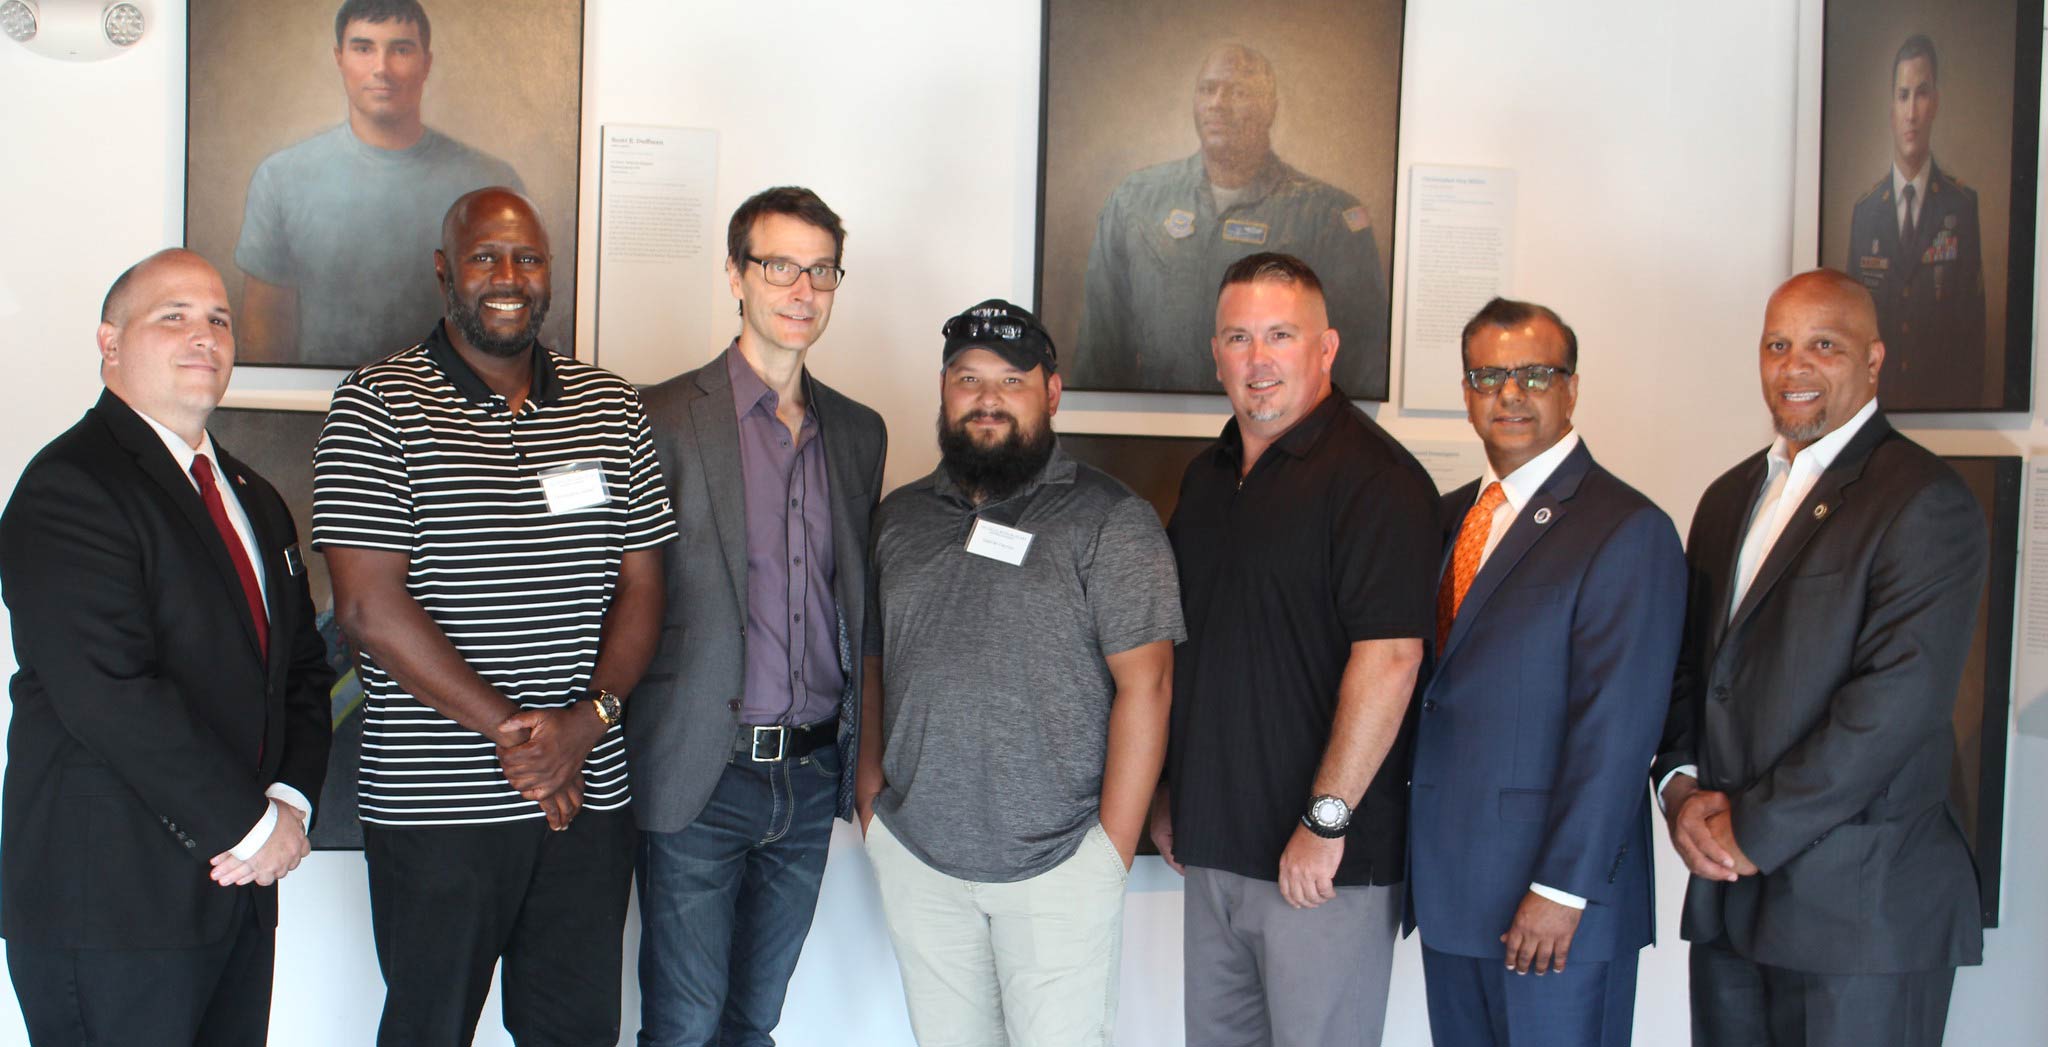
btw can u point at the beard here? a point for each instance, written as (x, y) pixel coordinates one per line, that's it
(1801, 431)
(996, 471)
(469, 320)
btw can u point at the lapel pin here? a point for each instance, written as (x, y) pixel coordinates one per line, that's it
(1820, 512)
(1543, 515)
(242, 480)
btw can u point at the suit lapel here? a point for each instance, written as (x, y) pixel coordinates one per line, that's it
(270, 550)
(1719, 561)
(1548, 506)
(842, 481)
(718, 450)
(155, 461)
(1813, 514)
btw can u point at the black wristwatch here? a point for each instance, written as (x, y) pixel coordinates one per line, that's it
(1327, 816)
(609, 708)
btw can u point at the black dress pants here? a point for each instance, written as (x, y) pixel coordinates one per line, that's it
(1739, 1003)
(215, 995)
(448, 902)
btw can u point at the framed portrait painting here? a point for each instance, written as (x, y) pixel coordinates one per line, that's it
(325, 140)
(1930, 124)
(1178, 136)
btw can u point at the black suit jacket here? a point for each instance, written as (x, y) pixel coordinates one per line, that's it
(1823, 708)
(685, 712)
(146, 725)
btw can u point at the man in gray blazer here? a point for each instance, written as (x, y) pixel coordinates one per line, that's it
(743, 731)
(1805, 764)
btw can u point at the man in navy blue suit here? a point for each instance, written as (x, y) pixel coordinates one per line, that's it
(1558, 620)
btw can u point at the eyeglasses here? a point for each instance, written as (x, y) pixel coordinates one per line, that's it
(783, 273)
(977, 327)
(1534, 378)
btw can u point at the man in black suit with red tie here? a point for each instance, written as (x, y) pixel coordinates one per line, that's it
(171, 710)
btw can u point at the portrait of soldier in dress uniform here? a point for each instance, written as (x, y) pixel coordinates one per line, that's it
(326, 139)
(1929, 125)
(1914, 241)
(1234, 130)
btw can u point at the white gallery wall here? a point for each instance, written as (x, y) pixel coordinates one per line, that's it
(1658, 150)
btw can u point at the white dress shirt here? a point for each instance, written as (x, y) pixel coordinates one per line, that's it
(1517, 488)
(1787, 482)
(183, 453)
(1919, 184)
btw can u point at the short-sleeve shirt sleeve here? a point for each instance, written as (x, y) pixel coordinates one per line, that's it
(1384, 553)
(650, 519)
(263, 250)
(362, 493)
(1133, 589)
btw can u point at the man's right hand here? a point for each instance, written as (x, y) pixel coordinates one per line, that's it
(562, 805)
(1160, 824)
(1686, 810)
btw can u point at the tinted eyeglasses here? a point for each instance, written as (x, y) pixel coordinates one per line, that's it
(783, 273)
(981, 327)
(1534, 378)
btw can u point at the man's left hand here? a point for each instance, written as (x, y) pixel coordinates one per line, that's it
(1307, 868)
(1541, 935)
(552, 755)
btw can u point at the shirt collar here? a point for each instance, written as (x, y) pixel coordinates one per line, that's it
(182, 452)
(750, 392)
(1919, 181)
(1822, 452)
(1299, 438)
(1059, 469)
(442, 352)
(1261, 185)
(1522, 484)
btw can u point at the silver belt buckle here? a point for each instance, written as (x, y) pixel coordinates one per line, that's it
(776, 731)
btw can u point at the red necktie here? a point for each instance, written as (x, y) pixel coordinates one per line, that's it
(202, 472)
(1465, 557)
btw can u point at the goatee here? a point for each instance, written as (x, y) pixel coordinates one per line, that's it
(997, 471)
(470, 321)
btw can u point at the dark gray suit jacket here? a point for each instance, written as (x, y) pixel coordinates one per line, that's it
(682, 718)
(1823, 708)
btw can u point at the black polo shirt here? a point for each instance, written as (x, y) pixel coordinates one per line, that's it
(1332, 539)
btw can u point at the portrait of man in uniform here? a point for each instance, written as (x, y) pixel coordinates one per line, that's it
(322, 207)
(1234, 130)
(1922, 95)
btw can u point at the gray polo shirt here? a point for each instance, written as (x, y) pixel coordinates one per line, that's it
(996, 692)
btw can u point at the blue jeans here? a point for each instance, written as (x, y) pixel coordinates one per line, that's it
(725, 903)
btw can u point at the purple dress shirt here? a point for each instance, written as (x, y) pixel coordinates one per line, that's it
(793, 674)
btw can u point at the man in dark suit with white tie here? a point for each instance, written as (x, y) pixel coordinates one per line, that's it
(744, 730)
(171, 710)
(1558, 618)
(1805, 765)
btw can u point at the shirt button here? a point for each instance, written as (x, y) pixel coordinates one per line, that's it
(796, 617)
(792, 503)
(797, 561)
(1429, 705)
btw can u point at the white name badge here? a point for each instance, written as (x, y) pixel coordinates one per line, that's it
(997, 542)
(578, 485)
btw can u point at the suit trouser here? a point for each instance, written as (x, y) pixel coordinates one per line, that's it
(215, 995)
(446, 902)
(1030, 963)
(1737, 1002)
(1475, 1001)
(1260, 972)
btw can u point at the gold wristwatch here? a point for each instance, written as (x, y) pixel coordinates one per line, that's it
(609, 708)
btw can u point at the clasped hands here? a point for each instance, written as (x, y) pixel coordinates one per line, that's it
(1703, 831)
(542, 752)
(281, 852)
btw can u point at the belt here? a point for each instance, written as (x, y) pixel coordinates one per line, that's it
(772, 743)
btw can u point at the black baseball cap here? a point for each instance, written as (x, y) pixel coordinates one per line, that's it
(1007, 330)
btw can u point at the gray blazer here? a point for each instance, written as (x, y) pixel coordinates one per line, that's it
(682, 718)
(1823, 708)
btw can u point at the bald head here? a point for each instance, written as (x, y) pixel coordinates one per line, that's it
(120, 299)
(493, 269)
(1236, 98)
(1819, 356)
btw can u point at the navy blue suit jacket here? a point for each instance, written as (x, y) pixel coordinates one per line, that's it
(1540, 714)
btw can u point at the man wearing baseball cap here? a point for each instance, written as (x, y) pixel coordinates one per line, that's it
(1016, 719)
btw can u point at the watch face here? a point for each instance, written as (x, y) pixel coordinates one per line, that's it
(1329, 811)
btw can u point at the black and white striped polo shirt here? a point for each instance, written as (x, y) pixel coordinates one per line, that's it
(419, 456)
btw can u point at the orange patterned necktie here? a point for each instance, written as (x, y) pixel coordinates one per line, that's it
(1465, 557)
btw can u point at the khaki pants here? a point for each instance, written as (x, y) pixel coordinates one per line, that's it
(1027, 964)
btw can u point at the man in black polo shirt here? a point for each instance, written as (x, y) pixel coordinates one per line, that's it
(492, 515)
(1307, 544)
